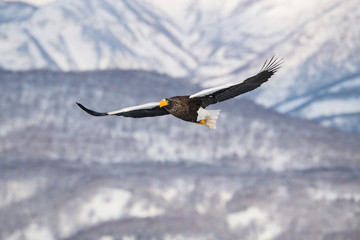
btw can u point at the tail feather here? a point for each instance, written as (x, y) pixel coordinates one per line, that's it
(210, 117)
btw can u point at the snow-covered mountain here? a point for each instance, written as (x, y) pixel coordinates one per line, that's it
(335, 104)
(15, 12)
(318, 40)
(45, 123)
(86, 35)
(260, 175)
(174, 201)
(209, 42)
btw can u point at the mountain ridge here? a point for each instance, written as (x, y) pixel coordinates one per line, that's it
(207, 42)
(118, 89)
(68, 175)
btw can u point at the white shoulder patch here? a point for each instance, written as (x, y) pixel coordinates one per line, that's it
(213, 89)
(139, 107)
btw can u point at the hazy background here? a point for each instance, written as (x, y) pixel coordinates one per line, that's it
(283, 162)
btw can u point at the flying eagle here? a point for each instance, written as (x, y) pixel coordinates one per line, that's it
(192, 108)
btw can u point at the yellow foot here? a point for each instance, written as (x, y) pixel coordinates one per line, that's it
(201, 122)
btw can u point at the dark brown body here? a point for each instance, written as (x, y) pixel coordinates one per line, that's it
(184, 107)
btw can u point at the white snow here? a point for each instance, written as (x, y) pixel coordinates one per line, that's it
(328, 194)
(142, 209)
(207, 204)
(280, 161)
(244, 218)
(189, 236)
(201, 208)
(17, 190)
(107, 204)
(332, 107)
(225, 196)
(34, 2)
(106, 237)
(269, 229)
(288, 106)
(167, 193)
(33, 231)
(351, 84)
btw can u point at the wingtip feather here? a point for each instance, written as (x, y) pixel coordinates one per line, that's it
(273, 65)
(91, 112)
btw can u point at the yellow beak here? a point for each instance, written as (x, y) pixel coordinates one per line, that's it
(163, 103)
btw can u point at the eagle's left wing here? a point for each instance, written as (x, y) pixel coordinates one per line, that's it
(145, 110)
(225, 92)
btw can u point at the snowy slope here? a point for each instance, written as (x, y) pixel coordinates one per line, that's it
(73, 201)
(45, 123)
(210, 42)
(318, 41)
(335, 104)
(15, 12)
(67, 175)
(92, 34)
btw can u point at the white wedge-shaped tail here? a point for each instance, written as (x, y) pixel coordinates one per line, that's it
(210, 117)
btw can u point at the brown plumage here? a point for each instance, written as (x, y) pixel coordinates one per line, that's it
(183, 107)
(192, 108)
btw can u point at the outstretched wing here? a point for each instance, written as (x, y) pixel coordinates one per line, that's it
(225, 92)
(145, 110)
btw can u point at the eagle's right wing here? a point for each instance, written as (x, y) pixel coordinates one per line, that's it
(145, 110)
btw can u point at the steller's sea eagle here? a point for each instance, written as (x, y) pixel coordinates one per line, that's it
(192, 108)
